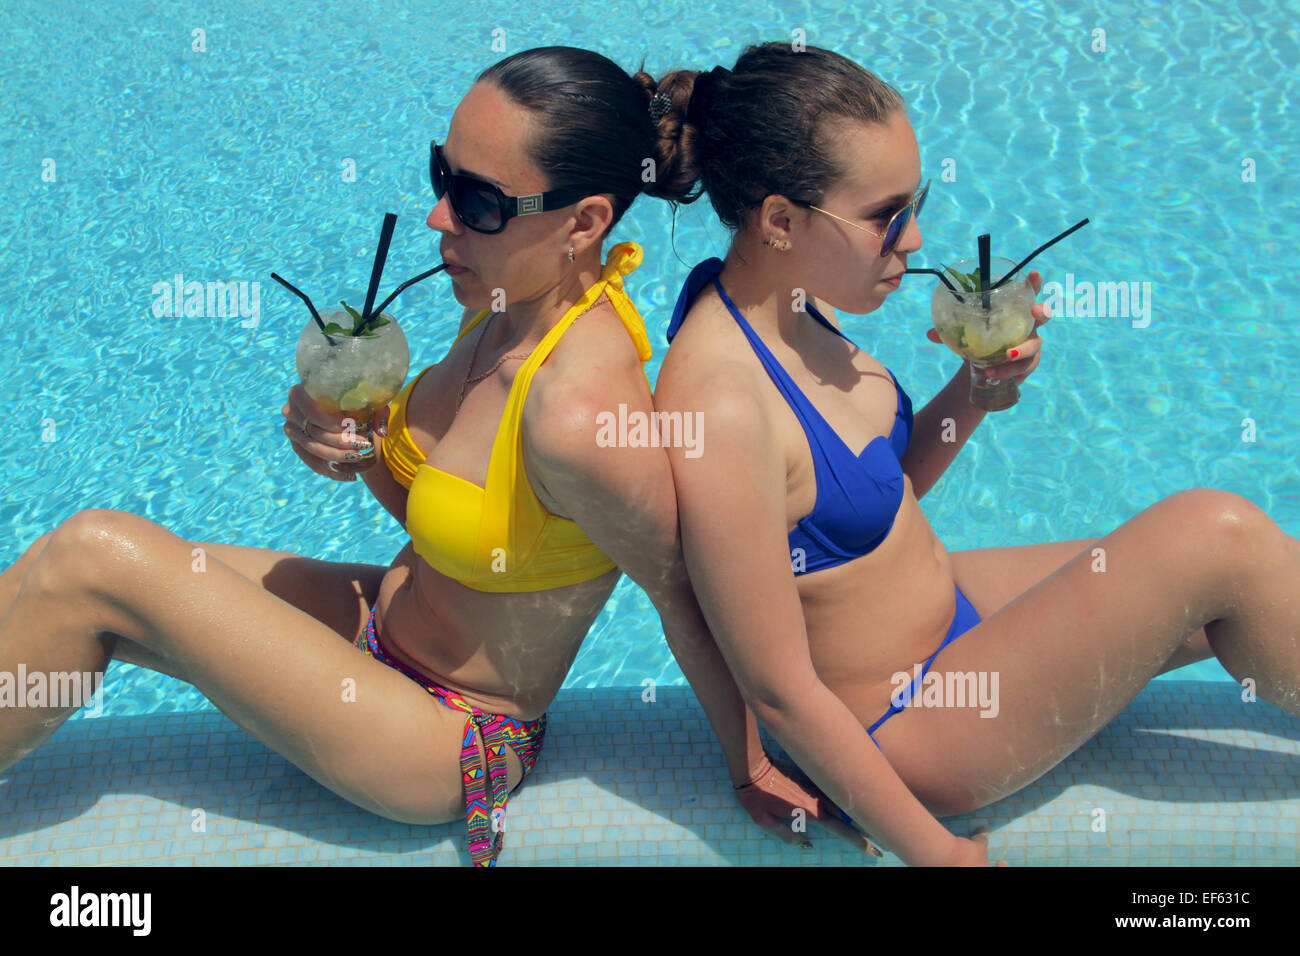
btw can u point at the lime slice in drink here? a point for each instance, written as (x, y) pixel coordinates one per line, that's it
(977, 341)
(366, 396)
(358, 396)
(989, 343)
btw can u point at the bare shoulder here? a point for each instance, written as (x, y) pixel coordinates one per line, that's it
(710, 363)
(597, 342)
(725, 394)
(593, 369)
(595, 359)
(726, 400)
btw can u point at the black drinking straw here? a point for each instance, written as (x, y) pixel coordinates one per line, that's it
(377, 270)
(302, 295)
(986, 243)
(1050, 242)
(408, 282)
(1006, 278)
(942, 278)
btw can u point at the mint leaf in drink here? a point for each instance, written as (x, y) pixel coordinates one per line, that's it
(366, 329)
(973, 280)
(356, 318)
(963, 279)
(335, 329)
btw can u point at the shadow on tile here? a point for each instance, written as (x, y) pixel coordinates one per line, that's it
(633, 782)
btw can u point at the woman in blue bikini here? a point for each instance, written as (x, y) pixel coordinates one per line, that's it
(817, 571)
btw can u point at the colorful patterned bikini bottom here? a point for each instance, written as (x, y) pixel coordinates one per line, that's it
(523, 736)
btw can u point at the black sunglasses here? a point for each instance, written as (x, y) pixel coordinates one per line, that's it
(483, 207)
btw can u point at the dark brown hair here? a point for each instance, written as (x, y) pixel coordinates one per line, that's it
(765, 127)
(595, 132)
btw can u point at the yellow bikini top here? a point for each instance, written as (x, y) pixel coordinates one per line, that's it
(500, 537)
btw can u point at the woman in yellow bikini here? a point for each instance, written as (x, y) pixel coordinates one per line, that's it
(519, 520)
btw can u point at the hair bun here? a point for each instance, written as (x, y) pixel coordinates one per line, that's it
(676, 178)
(703, 92)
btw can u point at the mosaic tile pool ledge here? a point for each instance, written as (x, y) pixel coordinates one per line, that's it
(1187, 775)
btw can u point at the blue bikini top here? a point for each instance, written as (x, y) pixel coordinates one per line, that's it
(858, 497)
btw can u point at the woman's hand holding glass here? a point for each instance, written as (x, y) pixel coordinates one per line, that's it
(1025, 355)
(327, 443)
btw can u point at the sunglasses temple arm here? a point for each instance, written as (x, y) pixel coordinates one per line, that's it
(409, 282)
(1050, 242)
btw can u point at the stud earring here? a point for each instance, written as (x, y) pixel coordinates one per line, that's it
(570, 253)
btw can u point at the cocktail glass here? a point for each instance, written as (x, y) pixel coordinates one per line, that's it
(981, 326)
(980, 312)
(353, 363)
(356, 375)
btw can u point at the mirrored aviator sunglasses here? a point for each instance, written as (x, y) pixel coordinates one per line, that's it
(894, 231)
(483, 207)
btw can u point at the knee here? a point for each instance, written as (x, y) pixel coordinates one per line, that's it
(1234, 522)
(77, 554)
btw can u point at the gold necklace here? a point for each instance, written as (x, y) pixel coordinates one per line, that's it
(460, 396)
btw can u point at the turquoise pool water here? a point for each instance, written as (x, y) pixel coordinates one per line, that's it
(227, 164)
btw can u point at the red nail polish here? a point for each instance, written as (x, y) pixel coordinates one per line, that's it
(1014, 353)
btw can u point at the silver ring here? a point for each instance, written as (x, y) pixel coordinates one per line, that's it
(304, 428)
(333, 465)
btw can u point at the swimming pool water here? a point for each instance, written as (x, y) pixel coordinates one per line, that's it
(228, 164)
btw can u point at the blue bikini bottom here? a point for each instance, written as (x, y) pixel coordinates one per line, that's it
(963, 620)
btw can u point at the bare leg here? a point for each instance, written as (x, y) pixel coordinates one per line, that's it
(338, 594)
(1075, 649)
(23, 729)
(273, 669)
(991, 578)
(12, 577)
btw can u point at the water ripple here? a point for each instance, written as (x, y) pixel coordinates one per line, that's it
(226, 165)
